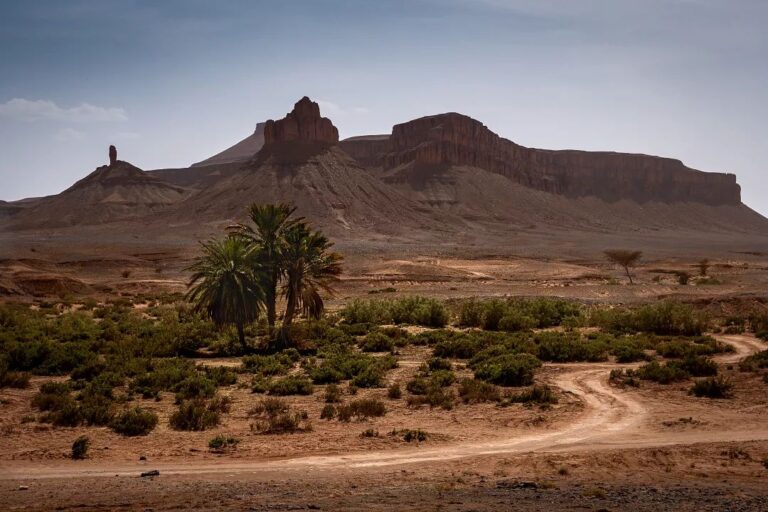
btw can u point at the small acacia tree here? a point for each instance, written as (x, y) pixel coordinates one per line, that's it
(625, 259)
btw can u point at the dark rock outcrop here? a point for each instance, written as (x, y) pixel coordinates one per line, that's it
(112, 155)
(302, 124)
(458, 140)
(369, 150)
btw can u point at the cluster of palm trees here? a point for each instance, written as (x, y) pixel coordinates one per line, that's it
(243, 275)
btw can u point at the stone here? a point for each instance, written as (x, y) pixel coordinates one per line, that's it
(458, 140)
(112, 155)
(302, 124)
(153, 472)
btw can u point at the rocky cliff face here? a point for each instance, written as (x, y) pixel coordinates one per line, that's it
(455, 139)
(302, 124)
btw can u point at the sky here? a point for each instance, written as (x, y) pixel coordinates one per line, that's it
(174, 82)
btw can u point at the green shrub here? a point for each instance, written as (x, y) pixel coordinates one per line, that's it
(409, 310)
(222, 443)
(699, 366)
(370, 377)
(516, 321)
(269, 407)
(195, 415)
(134, 422)
(622, 377)
(291, 385)
(628, 350)
(377, 342)
(537, 394)
(662, 373)
(414, 435)
(394, 392)
(712, 387)
(665, 318)
(569, 347)
(361, 409)
(10, 379)
(276, 364)
(80, 448)
(755, 361)
(472, 391)
(195, 386)
(508, 370)
(435, 397)
(328, 412)
(221, 375)
(438, 363)
(285, 423)
(332, 394)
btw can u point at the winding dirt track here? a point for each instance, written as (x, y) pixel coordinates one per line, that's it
(612, 419)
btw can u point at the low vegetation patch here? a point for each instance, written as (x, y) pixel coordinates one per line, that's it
(135, 422)
(223, 443)
(361, 409)
(712, 387)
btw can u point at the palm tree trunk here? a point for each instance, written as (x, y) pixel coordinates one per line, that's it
(290, 312)
(241, 336)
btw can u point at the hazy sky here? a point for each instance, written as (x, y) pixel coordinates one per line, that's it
(173, 82)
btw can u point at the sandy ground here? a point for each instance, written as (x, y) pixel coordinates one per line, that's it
(600, 447)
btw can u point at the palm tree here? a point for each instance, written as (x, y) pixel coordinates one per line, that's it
(310, 268)
(226, 284)
(271, 222)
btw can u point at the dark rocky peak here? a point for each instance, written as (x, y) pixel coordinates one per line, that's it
(302, 124)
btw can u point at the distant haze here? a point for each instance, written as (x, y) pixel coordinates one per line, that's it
(171, 83)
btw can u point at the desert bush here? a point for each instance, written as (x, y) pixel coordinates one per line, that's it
(623, 377)
(11, 379)
(195, 415)
(754, 362)
(284, 423)
(517, 314)
(80, 448)
(220, 375)
(472, 391)
(712, 387)
(628, 350)
(361, 409)
(328, 412)
(414, 435)
(290, 385)
(377, 342)
(664, 318)
(135, 422)
(332, 394)
(52, 396)
(223, 443)
(569, 347)
(409, 310)
(434, 396)
(536, 394)
(276, 364)
(394, 392)
(269, 406)
(341, 364)
(438, 363)
(699, 366)
(508, 370)
(369, 433)
(663, 373)
(196, 385)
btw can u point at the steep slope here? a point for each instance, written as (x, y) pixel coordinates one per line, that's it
(110, 193)
(300, 163)
(240, 152)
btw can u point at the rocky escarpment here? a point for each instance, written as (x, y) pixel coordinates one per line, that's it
(302, 124)
(240, 152)
(457, 140)
(369, 150)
